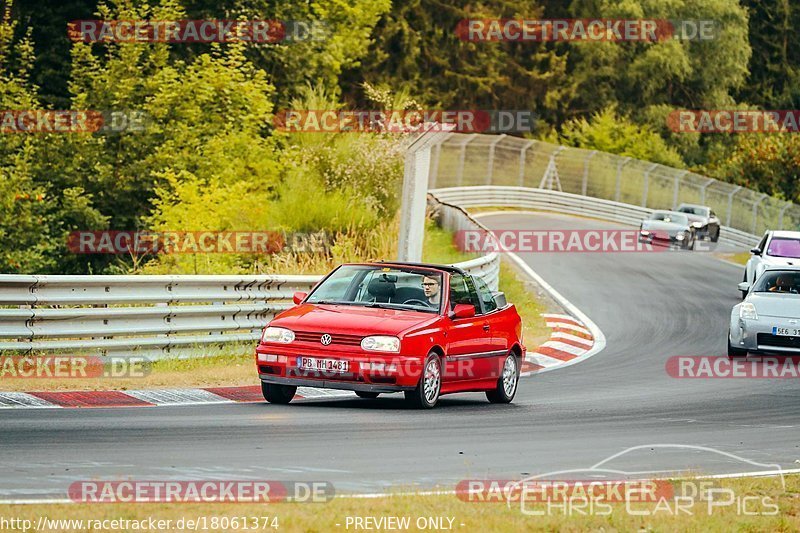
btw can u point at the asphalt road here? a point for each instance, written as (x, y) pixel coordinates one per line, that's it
(650, 306)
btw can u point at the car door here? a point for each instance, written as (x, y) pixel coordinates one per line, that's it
(468, 339)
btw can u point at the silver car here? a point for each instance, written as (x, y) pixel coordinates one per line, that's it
(777, 248)
(704, 220)
(768, 319)
(668, 227)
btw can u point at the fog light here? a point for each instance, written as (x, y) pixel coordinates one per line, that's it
(378, 367)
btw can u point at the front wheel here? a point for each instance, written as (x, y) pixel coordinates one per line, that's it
(274, 393)
(715, 238)
(735, 353)
(506, 386)
(426, 394)
(367, 395)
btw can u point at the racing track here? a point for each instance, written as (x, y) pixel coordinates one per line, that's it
(650, 306)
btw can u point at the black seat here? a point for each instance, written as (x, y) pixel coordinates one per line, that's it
(381, 290)
(403, 294)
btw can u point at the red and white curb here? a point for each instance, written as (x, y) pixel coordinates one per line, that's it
(570, 340)
(153, 397)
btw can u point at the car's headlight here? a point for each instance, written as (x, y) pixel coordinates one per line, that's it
(680, 236)
(381, 343)
(281, 335)
(697, 225)
(748, 310)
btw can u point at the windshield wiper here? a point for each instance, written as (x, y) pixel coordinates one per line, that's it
(332, 302)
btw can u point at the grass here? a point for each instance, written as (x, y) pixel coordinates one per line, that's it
(239, 370)
(332, 516)
(738, 258)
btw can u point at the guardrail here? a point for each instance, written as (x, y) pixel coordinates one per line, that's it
(152, 316)
(571, 204)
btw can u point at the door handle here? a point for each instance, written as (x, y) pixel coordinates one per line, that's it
(486, 327)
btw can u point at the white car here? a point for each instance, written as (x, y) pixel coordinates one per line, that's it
(777, 248)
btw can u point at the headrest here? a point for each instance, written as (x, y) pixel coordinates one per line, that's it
(378, 287)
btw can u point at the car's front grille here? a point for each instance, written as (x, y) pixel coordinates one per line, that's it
(768, 339)
(336, 338)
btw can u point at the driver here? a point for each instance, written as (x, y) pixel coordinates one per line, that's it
(782, 284)
(432, 290)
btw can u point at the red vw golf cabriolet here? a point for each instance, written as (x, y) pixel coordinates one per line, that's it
(424, 330)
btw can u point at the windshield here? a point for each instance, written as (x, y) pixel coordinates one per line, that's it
(377, 286)
(784, 247)
(675, 218)
(778, 281)
(701, 211)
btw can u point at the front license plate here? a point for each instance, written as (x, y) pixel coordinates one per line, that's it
(323, 365)
(786, 332)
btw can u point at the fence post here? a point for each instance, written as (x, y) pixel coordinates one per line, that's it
(462, 156)
(646, 188)
(755, 211)
(780, 216)
(437, 149)
(678, 179)
(621, 163)
(703, 190)
(730, 203)
(522, 152)
(585, 183)
(490, 169)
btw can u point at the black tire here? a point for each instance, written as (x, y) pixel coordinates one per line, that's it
(735, 353)
(499, 394)
(367, 395)
(274, 393)
(417, 398)
(715, 238)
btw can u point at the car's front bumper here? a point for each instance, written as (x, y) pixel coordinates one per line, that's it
(400, 372)
(756, 335)
(333, 384)
(660, 237)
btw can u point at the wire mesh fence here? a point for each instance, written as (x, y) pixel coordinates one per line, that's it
(470, 159)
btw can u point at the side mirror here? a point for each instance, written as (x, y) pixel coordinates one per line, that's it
(299, 297)
(755, 251)
(744, 287)
(463, 311)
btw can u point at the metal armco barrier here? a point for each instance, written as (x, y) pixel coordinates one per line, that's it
(571, 204)
(153, 316)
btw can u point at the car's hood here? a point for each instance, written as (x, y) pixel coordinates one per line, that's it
(776, 304)
(350, 319)
(696, 218)
(667, 227)
(779, 261)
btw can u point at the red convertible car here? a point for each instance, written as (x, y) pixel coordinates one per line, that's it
(424, 330)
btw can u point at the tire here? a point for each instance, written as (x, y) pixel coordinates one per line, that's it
(507, 383)
(367, 395)
(280, 394)
(715, 238)
(430, 381)
(735, 353)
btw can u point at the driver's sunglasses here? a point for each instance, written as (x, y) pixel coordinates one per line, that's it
(431, 284)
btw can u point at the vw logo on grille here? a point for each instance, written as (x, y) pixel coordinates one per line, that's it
(326, 339)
